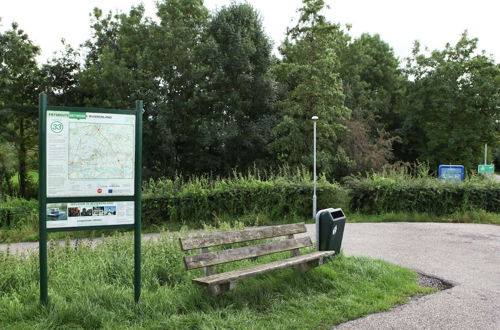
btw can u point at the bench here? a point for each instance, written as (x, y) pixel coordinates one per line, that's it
(219, 283)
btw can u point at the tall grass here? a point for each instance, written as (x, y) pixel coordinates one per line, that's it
(91, 288)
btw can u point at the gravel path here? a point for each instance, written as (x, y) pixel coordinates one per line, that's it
(466, 255)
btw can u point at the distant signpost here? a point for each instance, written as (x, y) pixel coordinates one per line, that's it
(486, 169)
(451, 172)
(90, 175)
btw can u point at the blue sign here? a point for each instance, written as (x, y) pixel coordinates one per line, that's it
(451, 172)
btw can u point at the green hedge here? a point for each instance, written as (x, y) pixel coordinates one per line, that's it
(281, 198)
(203, 200)
(277, 199)
(378, 194)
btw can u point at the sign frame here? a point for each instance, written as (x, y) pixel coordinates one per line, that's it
(43, 200)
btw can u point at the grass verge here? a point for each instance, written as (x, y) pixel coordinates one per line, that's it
(29, 231)
(477, 217)
(91, 288)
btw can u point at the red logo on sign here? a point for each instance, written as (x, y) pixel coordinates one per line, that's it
(99, 190)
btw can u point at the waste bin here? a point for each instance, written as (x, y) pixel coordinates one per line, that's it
(330, 225)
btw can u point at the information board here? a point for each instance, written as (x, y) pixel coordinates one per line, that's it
(90, 154)
(451, 172)
(90, 176)
(486, 169)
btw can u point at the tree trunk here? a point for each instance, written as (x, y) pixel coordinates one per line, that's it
(22, 154)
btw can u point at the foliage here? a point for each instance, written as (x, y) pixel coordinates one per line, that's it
(453, 105)
(398, 190)
(203, 200)
(311, 86)
(374, 90)
(20, 80)
(373, 83)
(91, 287)
(236, 97)
(16, 213)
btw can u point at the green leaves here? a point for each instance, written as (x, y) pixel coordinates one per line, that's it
(453, 105)
(311, 87)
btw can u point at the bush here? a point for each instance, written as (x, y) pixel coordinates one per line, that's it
(201, 199)
(18, 212)
(400, 191)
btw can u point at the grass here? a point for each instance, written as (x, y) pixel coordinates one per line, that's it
(29, 231)
(32, 176)
(477, 217)
(91, 288)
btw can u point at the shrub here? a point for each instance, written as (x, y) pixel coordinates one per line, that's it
(17, 212)
(400, 191)
(202, 199)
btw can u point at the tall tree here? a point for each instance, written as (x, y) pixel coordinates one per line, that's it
(454, 104)
(311, 85)
(60, 77)
(374, 87)
(237, 92)
(19, 86)
(180, 73)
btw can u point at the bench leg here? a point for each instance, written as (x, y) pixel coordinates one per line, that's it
(219, 289)
(309, 265)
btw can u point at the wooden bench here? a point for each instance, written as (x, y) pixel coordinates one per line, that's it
(219, 283)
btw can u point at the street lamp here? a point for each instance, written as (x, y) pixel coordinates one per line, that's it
(314, 119)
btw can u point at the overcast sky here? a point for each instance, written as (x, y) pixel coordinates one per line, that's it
(399, 22)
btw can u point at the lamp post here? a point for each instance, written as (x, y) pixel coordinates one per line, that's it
(314, 119)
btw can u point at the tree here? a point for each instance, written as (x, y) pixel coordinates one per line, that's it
(60, 77)
(374, 88)
(373, 83)
(237, 93)
(453, 105)
(19, 85)
(310, 83)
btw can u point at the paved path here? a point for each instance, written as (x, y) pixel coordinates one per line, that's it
(465, 254)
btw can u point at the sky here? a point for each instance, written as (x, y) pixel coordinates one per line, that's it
(399, 22)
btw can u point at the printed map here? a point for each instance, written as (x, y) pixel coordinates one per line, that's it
(101, 151)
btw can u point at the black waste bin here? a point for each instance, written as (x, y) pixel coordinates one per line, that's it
(330, 225)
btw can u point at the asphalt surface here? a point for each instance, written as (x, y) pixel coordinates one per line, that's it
(467, 255)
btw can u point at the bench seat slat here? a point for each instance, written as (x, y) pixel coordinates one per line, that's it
(190, 243)
(224, 256)
(260, 269)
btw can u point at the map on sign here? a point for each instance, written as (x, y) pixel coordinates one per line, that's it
(90, 154)
(100, 151)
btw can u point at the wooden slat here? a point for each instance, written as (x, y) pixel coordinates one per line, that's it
(242, 273)
(189, 243)
(221, 257)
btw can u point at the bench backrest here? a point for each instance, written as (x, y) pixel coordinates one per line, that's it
(207, 259)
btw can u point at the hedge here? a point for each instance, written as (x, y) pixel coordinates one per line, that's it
(275, 199)
(381, 195)
(204, 200)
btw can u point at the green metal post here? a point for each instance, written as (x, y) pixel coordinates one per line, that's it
(138, 200)
(42, 197)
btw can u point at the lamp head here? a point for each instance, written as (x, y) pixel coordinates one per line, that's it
(314, 118)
